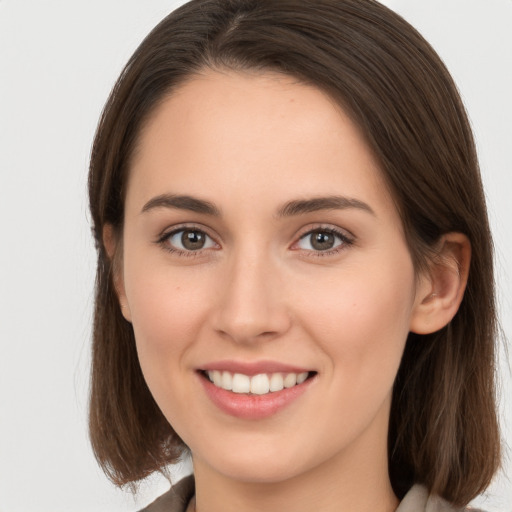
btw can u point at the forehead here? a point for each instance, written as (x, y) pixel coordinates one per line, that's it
(253, 133)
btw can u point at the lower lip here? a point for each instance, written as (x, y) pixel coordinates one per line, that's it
(252, 407)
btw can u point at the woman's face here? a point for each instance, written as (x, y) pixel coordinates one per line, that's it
(261, 245)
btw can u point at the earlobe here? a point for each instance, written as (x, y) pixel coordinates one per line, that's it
(110, 242)
(441, 290)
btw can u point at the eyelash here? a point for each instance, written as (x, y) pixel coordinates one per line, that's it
(346, 241)
(163, 241)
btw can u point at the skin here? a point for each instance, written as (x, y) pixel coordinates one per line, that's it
(249, 144)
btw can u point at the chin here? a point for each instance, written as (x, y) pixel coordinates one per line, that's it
(276, 470)
(261, 461)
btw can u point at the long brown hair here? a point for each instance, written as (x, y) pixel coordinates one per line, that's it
(443, 426)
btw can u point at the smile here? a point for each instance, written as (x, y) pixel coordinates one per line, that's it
(253, 391)
(260, 384)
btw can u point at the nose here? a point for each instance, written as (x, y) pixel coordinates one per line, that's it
(252, 306)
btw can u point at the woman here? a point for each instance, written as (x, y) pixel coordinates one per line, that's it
(294, 265)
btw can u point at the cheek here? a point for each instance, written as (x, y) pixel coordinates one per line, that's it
(167, 316)
(168, 310)
(361, 321)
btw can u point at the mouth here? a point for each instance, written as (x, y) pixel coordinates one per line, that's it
(254, 392)
(259, 384)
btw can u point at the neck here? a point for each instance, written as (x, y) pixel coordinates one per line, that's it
(347, 481)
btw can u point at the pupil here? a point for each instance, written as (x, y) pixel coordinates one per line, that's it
(322, 241)
(192, 240)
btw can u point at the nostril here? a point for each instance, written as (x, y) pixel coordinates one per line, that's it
(247, 333)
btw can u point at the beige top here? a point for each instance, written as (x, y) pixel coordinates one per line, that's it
(416, 500)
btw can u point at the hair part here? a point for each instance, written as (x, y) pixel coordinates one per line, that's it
(387, 78)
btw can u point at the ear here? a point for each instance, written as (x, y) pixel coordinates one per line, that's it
(110, 242)
(441, 289)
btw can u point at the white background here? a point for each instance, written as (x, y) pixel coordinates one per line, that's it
(58, 61)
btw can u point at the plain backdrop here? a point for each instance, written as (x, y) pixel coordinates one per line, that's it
(58, 62)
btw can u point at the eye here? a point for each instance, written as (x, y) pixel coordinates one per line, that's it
(322, 240)
(188, 240)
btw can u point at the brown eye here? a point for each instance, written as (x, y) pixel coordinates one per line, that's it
(322, 240)
(193, 240)
(189, 240)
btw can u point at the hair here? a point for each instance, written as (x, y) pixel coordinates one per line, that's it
(443, 428)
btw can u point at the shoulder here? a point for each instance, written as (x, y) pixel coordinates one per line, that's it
(176, 499)
(418, 499)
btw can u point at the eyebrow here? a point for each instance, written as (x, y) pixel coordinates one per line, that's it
(289, 209)
(303, 206)
(182, 202)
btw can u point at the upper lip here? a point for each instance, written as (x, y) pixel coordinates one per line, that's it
(251, 368)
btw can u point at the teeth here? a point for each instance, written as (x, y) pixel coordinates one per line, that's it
(301, 377)
(290, 380)
(276, 382)
(217, 378)
(241, 383)
(227, 381)
(260, 384)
